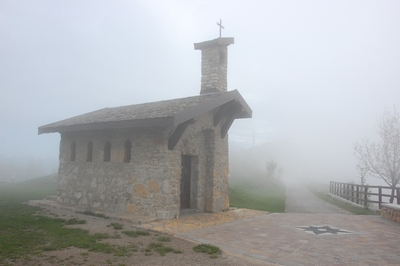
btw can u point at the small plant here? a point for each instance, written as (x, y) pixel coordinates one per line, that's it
(164, 239)
(208, 249)
(116, 226)
(116, 235)
(160, 248)
(103, 248)
(100, 236)
(74, 221)
(136, 233)
(122, 251)
(133, 247)
(91, 213)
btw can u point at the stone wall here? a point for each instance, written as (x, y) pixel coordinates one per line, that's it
(150, 183)
(391, 212)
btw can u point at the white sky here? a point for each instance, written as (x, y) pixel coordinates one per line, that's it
(315, 73)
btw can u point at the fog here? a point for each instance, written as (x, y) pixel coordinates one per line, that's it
(315, 73)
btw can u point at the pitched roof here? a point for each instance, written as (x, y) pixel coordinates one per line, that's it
(163, 113)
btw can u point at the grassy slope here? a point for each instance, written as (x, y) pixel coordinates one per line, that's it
(265, 195)
(17, 193)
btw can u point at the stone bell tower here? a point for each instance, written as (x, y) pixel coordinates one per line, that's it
(214, 64)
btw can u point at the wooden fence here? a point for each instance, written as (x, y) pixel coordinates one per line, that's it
(362, 194)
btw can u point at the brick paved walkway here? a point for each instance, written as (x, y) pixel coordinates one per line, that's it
(275, 238)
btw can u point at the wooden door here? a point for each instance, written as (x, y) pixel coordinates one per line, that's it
(185, 181)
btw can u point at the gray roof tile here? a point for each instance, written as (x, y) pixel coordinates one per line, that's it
(142, 114)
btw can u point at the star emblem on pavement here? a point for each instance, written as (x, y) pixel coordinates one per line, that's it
(322, 230)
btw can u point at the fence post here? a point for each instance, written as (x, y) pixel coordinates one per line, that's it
(357, 194)
(398, 195)
(343, 191)
(348, 191)
(338, 189)
(380, 196)
(365, 196)
(352, 193)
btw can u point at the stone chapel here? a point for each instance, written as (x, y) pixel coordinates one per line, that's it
(155, 159)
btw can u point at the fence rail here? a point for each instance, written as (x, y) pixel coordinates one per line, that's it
(361, 194)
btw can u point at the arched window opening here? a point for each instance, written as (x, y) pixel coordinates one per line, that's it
(107, 151)
(73, 151)
(128, 148)
(89, 156)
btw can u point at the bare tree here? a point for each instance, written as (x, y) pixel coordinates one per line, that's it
(363, 172)
(382, 160)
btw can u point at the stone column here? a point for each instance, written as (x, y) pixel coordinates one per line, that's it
(217, 170)
(214, 64)
(210, 148)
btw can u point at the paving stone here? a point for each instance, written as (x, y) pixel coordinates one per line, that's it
(275, 238)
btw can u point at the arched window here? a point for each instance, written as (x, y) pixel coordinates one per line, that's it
(128, 148)
(73, 151)
(89, 156)
(107, 151)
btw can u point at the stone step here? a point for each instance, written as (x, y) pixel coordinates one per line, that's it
(188, 211)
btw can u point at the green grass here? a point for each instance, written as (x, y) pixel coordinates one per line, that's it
(211, 250)
(75, 221)
(322, 190)
(161, 249)
(17, 193)
(136, 233)
(91, 213)
(116, 226)
(258, 194)
(24, 231)
(164, 239)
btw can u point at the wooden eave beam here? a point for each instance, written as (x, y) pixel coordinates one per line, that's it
(150, 122)
(232, 113)
(221, 112)
(177, 134)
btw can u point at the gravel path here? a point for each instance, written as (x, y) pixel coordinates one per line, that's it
(300, 200)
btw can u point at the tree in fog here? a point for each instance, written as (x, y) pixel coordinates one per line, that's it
(363, 172)
(382, 159)
(273, 171)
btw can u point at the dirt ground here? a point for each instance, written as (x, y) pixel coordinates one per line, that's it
(137, 246)
(200, 220)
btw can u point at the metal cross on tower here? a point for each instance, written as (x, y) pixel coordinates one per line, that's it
(220, 27)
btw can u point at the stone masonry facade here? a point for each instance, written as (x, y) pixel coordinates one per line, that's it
(149, 184)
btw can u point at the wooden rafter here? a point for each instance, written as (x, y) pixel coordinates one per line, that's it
(177, 134)
(221, 112)
(233, 111)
